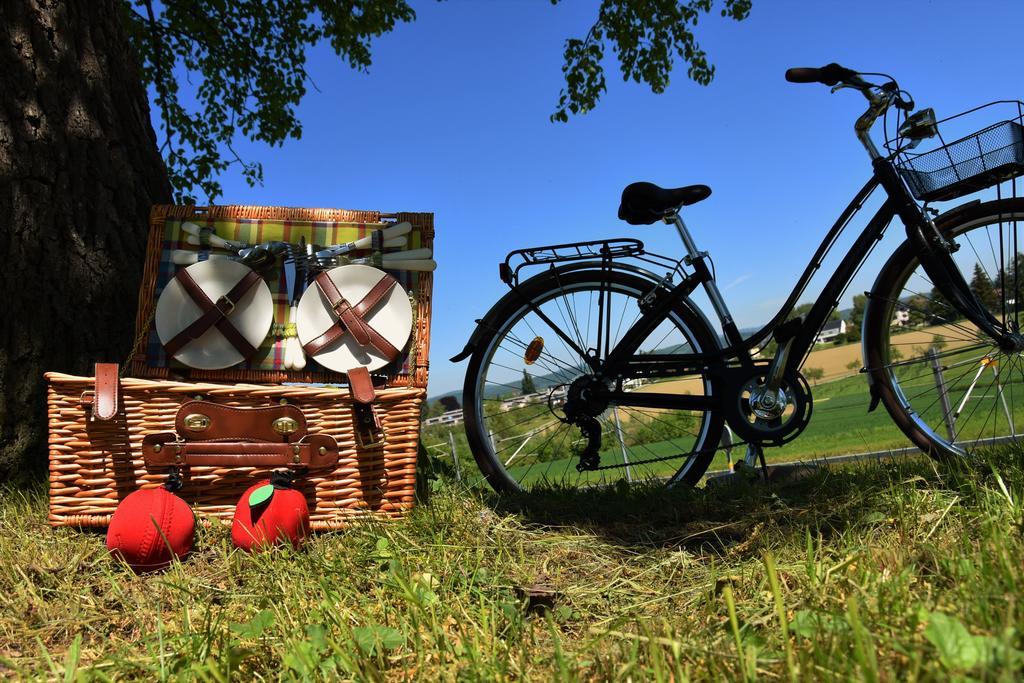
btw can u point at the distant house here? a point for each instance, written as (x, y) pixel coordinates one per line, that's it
(832, 329)
(452, 417)
(901, 317)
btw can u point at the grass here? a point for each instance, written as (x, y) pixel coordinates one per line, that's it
(896, 571)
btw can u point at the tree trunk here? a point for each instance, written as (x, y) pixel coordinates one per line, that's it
(79, 169)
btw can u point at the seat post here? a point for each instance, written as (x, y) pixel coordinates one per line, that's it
(696, 258)
(684, 234)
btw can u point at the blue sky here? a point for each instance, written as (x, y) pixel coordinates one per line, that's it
(453, 118)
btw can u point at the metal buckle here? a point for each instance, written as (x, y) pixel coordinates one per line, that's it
(367, 426)
(197, 422)
(340, 306)
(220, 305)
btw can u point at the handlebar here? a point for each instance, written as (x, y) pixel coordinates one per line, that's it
(879, 98)
(830, 75)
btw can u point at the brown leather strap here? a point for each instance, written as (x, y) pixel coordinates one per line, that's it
(315, 451)
(108, 392)
(351, 318)
(361, 384)
(206, 421)
(366, 422)
(213, 313)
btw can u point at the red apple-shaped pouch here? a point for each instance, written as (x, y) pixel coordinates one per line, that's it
(150, 528)
(270, 512)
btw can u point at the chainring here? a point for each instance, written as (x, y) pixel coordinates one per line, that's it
(774, 432)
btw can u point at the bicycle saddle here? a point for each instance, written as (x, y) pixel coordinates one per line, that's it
(646, 203)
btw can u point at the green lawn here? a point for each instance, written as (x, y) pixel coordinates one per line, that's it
(841, 423)
(898, 571)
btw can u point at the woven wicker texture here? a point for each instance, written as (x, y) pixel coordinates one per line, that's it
(93, 465)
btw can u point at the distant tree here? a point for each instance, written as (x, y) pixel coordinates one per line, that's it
(938, 342)
(917, 307)
(854, 364)
(431, 409)
(940, 310)
(803, 309)
(860, 302)
(813, 374)
(982, 287)
(527, 385)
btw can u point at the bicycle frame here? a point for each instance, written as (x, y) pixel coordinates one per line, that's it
(622, 362)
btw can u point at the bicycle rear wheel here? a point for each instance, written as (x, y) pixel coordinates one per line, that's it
(945, 383)
(521, 372)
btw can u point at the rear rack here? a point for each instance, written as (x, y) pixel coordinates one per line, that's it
(603, 250)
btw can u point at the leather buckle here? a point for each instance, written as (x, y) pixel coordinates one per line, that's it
(225, 305)
(367, 425)
(340, 306)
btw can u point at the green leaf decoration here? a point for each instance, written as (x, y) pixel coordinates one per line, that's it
(261, 495)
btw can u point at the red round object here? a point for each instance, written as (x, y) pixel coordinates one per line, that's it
(281, 518)
(151, 527)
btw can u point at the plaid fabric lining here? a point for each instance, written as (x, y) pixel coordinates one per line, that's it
(270, 355)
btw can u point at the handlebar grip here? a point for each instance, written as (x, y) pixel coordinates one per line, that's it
(830, 74)
(803, 74)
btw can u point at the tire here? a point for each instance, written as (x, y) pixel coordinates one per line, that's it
(500, 441)
(980, 381)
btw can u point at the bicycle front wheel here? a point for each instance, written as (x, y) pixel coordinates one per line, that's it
(945, 383)
(521, 372)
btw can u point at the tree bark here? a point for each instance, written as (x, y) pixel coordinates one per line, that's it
(79, 170)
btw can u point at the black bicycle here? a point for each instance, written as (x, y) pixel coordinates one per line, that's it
(601, 367)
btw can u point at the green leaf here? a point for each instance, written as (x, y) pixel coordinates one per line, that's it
(255, 626)
(374, 638)
(958, 649)
(261, 495)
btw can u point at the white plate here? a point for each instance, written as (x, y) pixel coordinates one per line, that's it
(252, 316)
(392, 318)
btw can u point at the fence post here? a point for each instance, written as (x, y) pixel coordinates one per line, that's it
(455, 455)
(940, 384)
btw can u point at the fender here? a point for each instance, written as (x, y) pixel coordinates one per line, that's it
(486, 323)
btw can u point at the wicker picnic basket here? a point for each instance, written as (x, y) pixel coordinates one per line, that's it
(95, 463)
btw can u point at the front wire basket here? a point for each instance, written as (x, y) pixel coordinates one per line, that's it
(972, 161)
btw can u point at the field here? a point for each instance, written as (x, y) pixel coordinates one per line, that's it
(877, 572)
(841, 423)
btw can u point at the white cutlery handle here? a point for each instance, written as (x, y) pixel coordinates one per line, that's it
(409, 255)
(194, 230)
(184, 257)
(196, 242)
(387, 233)
(397, 230)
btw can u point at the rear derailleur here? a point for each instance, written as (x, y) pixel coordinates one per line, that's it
(581, 408)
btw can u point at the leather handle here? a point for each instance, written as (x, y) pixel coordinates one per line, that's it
(207, 421)
(105, 401)
(316, 451)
